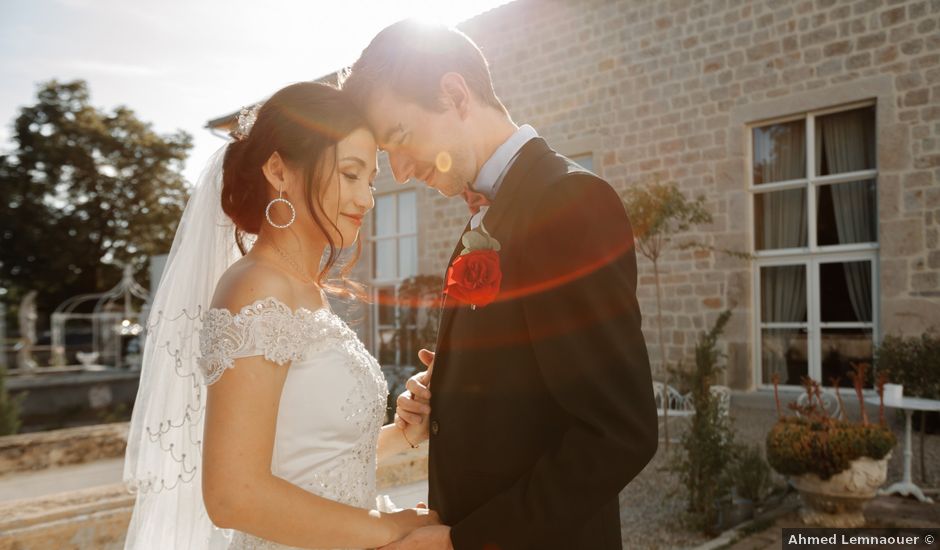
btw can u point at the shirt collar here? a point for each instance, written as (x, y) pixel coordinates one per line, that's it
(491, 172)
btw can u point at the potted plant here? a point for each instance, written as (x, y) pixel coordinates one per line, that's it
(836, 465)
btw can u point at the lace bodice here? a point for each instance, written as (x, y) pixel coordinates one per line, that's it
(332, 405)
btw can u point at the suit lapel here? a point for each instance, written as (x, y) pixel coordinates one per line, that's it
(513, 181)
(447, 309)
(495, 218)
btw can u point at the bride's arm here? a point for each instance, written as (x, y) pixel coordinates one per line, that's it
(412, 414)
(239, 490)
(392, 441)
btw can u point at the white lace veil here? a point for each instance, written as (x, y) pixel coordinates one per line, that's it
(164, 446)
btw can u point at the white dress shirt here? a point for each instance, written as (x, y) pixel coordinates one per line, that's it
(494, 169)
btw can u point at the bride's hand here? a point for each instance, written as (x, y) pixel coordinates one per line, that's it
(407, 520)
(413, 408)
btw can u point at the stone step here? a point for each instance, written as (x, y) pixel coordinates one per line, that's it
(75, 477)
(86, 506)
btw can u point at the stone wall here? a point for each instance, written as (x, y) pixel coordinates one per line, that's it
(665, 89)
(38, 451)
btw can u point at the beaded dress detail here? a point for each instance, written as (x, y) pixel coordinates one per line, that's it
(332, 405)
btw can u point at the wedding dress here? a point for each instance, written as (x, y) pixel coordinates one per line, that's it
(331, 409)
(332, 405)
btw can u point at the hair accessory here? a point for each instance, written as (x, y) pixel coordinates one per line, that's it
(246, 119)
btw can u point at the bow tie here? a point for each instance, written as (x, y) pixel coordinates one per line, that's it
(475, 200)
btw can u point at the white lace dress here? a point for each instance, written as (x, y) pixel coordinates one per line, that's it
(332, 405)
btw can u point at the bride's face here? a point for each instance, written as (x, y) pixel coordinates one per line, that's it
(347, 195)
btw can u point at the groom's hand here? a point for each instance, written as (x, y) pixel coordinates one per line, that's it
(413, 405)
(435, 537)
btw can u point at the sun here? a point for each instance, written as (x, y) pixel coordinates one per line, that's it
(448, 13)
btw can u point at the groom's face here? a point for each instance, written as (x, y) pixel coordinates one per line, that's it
(426, 145)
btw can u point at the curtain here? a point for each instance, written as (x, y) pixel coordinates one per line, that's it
(780, 152)
(846, 141)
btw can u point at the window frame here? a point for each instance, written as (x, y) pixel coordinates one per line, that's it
(812, 255)
(393, 283)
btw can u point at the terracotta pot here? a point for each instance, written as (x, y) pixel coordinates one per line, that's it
(840, 500)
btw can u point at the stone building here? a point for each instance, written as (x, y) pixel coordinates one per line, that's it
(811, 127)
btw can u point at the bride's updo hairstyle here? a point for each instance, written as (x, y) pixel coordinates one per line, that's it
(303, 123)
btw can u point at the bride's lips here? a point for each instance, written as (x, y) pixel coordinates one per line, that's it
(354, 218)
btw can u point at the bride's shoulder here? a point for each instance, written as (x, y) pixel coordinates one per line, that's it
(253, 313)
(248, 281)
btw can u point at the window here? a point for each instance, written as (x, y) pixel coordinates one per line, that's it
(813, 184)
(394, 258)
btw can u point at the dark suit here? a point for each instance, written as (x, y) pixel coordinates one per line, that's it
(542, 402)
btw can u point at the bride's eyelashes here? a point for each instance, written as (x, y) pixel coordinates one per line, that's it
(354, 177)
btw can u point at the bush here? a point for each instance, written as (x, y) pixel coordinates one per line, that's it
(913, 362)
(751, 473)
(708, 445)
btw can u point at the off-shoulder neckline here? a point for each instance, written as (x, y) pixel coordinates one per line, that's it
(277, 304)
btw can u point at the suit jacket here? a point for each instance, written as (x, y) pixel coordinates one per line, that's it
(542, 402)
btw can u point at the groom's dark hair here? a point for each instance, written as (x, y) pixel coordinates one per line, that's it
(410, 57)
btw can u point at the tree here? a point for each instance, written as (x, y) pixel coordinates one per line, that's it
(659, 212)
(83, 191)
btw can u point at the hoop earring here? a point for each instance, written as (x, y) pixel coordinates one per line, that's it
(293, 213)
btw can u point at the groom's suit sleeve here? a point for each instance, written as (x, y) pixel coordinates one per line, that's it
(584, 323)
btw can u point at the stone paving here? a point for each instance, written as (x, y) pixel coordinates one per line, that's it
(883, 511)
(651, 506)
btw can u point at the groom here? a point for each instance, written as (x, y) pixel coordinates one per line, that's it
(542, 406)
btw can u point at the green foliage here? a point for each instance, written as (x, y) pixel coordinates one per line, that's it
(658, 212)
(708, 446)
(82, 188)
(9, 408)
(751, 473)
(913, 362)
(824, 446)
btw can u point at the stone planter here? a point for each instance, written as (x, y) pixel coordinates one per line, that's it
(840, 500)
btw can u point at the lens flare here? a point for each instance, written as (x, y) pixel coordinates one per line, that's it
(443, 162)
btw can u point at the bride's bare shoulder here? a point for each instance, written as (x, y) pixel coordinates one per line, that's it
(249, 280)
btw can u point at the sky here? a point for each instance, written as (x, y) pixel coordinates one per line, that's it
(180, 63)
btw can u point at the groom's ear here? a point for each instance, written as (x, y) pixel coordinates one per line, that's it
(274, 171)
(456, 93)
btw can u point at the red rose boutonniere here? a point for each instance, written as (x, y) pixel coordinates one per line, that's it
(474, 276)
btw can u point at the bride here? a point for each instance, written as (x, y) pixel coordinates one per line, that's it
(258, 421)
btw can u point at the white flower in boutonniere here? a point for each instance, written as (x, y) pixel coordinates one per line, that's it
(478, 239)
(474, 276)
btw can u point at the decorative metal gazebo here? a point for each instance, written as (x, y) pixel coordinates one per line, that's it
(113, 317)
